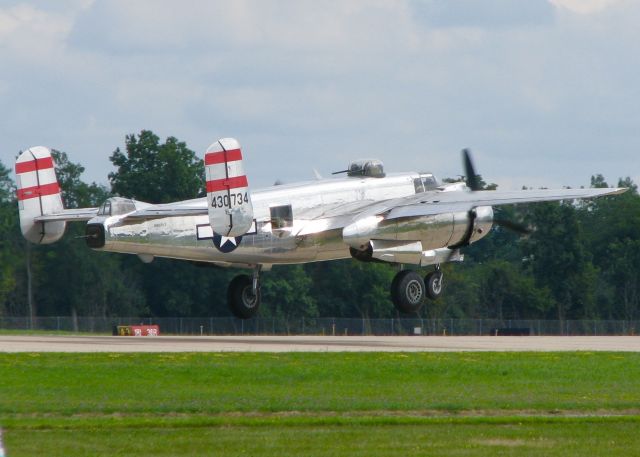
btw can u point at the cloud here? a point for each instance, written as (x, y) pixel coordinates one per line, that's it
(534, 88)
(32, 33)
(489, 14)
(195, 26)
(584, 6)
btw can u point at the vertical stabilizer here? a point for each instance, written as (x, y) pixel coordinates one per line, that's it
(38, 194)
(230, 208)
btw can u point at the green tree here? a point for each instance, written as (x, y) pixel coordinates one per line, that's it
(75, 192)
(598, 182)
(560, 261)
(349, 288)
(179, 288)
(286, 293)
(154, 172)
(157, 172)
(508, 293)
(70, 278)
(11, 244)
(7, 186)
(461, 297)
(612, 236)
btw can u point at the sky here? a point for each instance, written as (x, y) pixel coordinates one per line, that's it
(544, 92)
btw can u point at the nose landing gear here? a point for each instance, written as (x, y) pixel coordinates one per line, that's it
(408, 289)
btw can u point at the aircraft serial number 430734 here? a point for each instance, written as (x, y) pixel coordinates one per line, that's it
(404, 218)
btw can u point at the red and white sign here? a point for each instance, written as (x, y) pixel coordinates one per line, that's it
(144, 330)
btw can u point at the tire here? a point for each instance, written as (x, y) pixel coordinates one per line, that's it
(434, 284)
(408, 291)
(240, 298)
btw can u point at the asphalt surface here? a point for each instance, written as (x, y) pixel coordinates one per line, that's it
(15, 343)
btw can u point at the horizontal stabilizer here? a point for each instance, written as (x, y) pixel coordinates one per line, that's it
(167, 210)
(69, 215)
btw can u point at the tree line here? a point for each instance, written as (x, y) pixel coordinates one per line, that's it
(581, 261)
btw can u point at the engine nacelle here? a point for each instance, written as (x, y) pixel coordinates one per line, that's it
(470, 226)
(483, 223)
(409, 237)
(359, 234)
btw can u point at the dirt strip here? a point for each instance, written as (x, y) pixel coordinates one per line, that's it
(434, 413)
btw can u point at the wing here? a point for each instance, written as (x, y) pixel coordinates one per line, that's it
(429, 203)
(442, 201)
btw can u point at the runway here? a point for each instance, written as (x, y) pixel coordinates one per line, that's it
(15, 343)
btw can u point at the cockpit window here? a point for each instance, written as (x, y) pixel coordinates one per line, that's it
(122, 207)
(429, 182)
(116, 206)
(105, 209)
(425, 182)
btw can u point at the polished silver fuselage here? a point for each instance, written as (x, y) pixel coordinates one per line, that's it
(320, 212)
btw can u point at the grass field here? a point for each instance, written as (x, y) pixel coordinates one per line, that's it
(365, 404)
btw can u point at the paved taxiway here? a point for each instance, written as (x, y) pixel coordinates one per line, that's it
(15, 343)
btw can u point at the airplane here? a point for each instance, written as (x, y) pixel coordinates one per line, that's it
(402, 218)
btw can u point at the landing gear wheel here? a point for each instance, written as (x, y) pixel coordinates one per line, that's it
(243, 303)
(434, 282)
(407, 291)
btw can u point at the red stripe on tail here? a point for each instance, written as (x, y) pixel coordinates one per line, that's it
(213, 158)
(226, 183)
(38, 191)
(33, 165)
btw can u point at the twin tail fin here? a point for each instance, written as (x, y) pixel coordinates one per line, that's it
(38, 194)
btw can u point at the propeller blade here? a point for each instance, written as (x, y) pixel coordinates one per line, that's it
(513, 226)
(452, 252)
(472, 178)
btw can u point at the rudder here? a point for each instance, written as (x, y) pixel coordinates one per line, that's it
(38, 194)
(228, 197)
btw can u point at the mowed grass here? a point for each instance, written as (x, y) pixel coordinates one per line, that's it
(510, 438)
(320, 404)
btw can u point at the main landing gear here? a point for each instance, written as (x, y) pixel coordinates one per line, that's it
(243, 294)
(408, 289)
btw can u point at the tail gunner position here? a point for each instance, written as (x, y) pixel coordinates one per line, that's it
(400, 218)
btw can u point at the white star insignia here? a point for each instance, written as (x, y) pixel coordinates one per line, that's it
(231, 239)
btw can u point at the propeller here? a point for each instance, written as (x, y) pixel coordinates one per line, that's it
(520, 229)
(473, 183)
